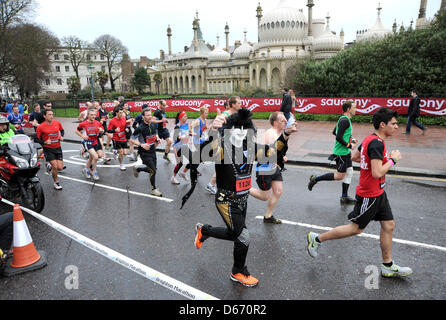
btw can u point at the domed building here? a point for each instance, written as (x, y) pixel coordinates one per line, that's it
(285, 36)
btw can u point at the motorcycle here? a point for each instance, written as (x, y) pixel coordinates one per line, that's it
(19, 165)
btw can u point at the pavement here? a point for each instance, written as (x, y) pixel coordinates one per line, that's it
(313, 144)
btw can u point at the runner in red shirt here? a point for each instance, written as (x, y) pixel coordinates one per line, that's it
(371, 199)
(89, 131)
(117, 127)
(50, 133)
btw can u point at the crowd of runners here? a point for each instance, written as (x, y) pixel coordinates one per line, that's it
(232, 142)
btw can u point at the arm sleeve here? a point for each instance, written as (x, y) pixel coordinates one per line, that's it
(376, 150)
(343, 125)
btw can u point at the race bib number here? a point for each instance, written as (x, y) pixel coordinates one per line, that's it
(151, 140)
(243, 184)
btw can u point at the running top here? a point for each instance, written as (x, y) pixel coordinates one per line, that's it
(51, 131)
(181, 130)
(145, 133)
(16, 119)
(91, 129)
(199, 137)
(116, 123)
(159, 115)
(371, 148)
(343, 132)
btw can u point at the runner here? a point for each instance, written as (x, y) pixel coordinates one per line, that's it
(163, 132)
(342, 154)
(269, 175)
(16, 119)
(145, 138)
(372, 202)
(199, 131)
(49, 134)
(117, 128)
(128, 131)
(181, 137)
(233, 184)
(211, 187)
(89, 131)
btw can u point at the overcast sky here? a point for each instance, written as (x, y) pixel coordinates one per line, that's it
(141, 25)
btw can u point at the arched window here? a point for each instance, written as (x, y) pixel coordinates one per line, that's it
(293, 24)
(288, 24)
(282, 24)
(268, 25)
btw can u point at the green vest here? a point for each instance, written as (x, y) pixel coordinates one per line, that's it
(6, 137)
(339, 149)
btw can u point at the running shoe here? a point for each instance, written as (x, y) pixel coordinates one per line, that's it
(347, 200)
(156, 193)
(211, 189)
(272, 220)
(115, 154)
(312, 182)
(95, 176)
(107, 160)
(198, 236)
(184, 176)
(57, 186)
(395, 271)
(313, 245)
(246, 280)
(86, 173)
(122, 167)
(49, 168)
(174, 180)
(135, 171)
(166, 157)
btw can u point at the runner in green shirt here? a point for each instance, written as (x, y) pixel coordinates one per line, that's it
(341, 153)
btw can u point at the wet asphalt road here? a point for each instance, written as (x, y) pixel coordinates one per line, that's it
(159, 235)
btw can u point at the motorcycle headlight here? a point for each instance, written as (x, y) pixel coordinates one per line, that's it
(34, 160)
(20, 162)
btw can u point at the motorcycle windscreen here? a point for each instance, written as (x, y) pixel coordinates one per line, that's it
(21, 144)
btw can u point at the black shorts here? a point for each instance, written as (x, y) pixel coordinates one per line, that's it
(343, 163)
(118, 145)
(368, 209)
(88, 145)
(265, 181)
(53, 154)
(163, 134)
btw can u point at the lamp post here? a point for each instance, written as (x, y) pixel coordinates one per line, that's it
(91, 81)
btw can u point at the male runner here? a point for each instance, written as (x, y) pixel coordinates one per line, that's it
(89, 131)
(49, 134)
(163, 132)
(145, 138)
(372, 202)
(269, 175)
(117, 127)
(342, 154)
(233, 185)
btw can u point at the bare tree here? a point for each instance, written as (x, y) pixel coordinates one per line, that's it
(77, 51)
(113, 51)
(12, 12)
(30, 59)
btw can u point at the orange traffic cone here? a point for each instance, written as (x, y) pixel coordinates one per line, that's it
(25, 256)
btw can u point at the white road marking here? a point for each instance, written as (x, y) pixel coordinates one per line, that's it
(116, 189)
(364, 235)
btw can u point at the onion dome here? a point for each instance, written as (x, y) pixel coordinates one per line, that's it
(243, 51)
(378, 31)
(218, 54)
(327, 44)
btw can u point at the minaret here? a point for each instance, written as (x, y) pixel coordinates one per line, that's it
(227, 36)
(443, 5)
(342, 35)
(259, 19)
(169, 37)
(310, 6)
(394, 26)
(422, 21)
(195, 25)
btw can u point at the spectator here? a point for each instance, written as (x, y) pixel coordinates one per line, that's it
(414, 113)
(287, 104)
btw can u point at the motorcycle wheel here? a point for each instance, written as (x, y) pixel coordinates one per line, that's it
(35, 199)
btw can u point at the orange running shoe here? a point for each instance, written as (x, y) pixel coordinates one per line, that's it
(198, 236)
(247, 281)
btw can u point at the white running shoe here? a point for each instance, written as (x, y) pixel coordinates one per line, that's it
(184, 176)
(156, 193)
(174, 180)
(95, 176)
(86, 173)
(313, 245)
(122, 167)
(395, 271)
(115, 154)
(211, 189)
(57, 186)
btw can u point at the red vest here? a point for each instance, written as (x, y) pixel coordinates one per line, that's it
(369, 187)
